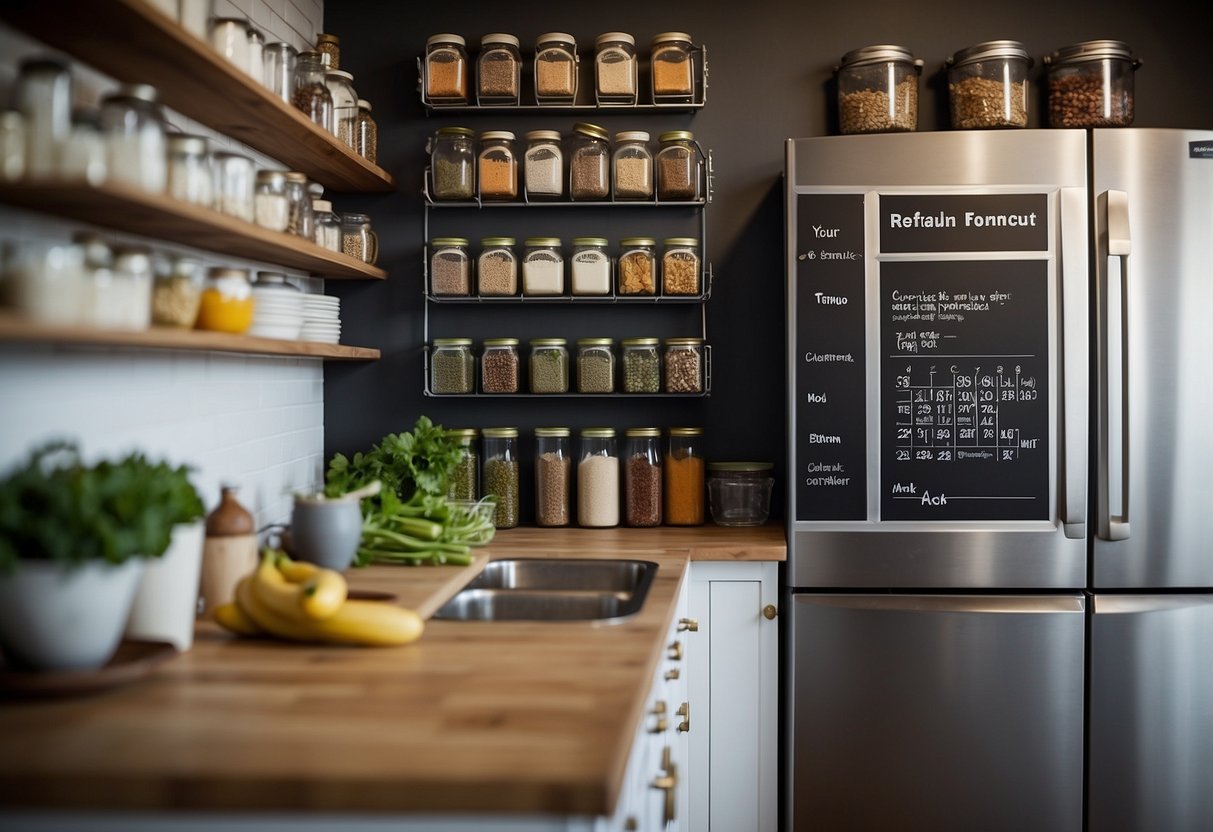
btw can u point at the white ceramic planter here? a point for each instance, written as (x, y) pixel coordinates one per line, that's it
(166, 601)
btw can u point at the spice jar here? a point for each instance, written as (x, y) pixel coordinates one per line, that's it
(229, 551)
(542, 267)
(598, 479)
(641, 365)
(300, 220)
(739, 493)
(499, 366)
(189, 175)
(310, 94)
(452, 163)
(553, 464)
(878, 90)
(345, 104)
(988, 85)
(555, 68)
(463, 483)
(85, 155)
(680, 271)
(234, 182)
(549, 365)
(498, 165)
(678, 166)
(326, 227)
(684, 365)
(227, 301)
(543, 169)
(591, 266)
(642, 477)
(450, 267)
(670, 65)
(44, 98)
(177, 294)
(497, 267)
(446, 69)
(637, 266)
(595, 365)
(358, 239)
(135, 137)
(615, 68)
(451, 366)
(499, 473)
(270, 208)
(1091, 84)
(366, 133)
(633, 165)
(278, 69)
(589, 162)
(497, 69)
(329, 45)
(229, 37)
(683, 477)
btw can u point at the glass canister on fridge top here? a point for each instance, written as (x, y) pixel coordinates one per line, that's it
(739, 493)
(345, 104)
(678, 166)
(555, 68)
(497, 267)
(637, 266)
(451, 366)
(642, 477)
(464, 481)
(553, 464)
(452, 164)
(589, 162)
(591, 266)
(498, 69)
(310, 94)
(878, 90)
(1091, 84)
(684, 365)
(499, 366)
(641, 365)
(549, 365)
(44, 98)
(300, 220)
(270, 207)
(683, 477)
(235, 180)
(499, 473)
(598, 479)
(543, 169)
(227, 301)
(615, 67)
(543, 267)
(680, 269)
(330, 45)
(595, 365)
(135, 137)
(326, 225)
(450, 267)
(358, 239)
(189, 175)
(278, 69)
(446, 69)
(366, 133)
(498, 172)
(988, 85)
(633, 165)
(670, 64)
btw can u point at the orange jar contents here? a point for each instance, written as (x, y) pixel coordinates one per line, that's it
(684, 477)
(227, 301)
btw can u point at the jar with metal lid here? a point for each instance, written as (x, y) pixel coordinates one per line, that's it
(464, 481)
(615, 68)
(278, 69)
(543, 267)
(1091, 84)
(499, 473)
(85, 154)
(591, 266)
(450, 267)
(345, 104)
(549, 365)
(358, 239)
(553, 465)
(135, 137)
(988, 85)
(543, 169)
(598, 479)
(633, 165)
(678, 166)
(227, 301)
(641, 365)
(235, 179)
(229, 37)
(366, 133)
(683, 477)
(270, 208)
(878, 90)
(499, 366)
(497, 267)
(680, 267)
(451, 366)
(637, 266)
(189, 175)
(739, 493)
(595, 365)
(44, 98)
(452, 164)
(446, 69)
(498, 69)
(300, 220)
(671, 68)
(555, 68)
(326, 225)
(498, 171)
(330, 45)
(683, 365)
(642, 477)
(589, 163)
(310, 94)
(256, 46)
(177, 294)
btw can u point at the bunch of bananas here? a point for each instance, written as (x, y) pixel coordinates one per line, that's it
(303, 602)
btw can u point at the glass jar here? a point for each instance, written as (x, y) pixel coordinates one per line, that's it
(309, 93)
(678, 167)
(135, 137)
(194, 16)
(44, 99)
(358, 239)
(633, 165)
(85, 154)
(553, 465)
(497, 267)
(670, 64)
(229, 37)
(227, 301)
(498, 171)
(499, 473)
(256, 46)
(325, 225)
(499, 366)
(12, 145)
(190, 178)
(615, 68)
(1091, 84)
(589, 163)
(446, 69)
(598, 479)
(98, 277)
(683, 477)
(452, 164)
(451, 370)
(366, 133)
(497, 69)
(234, 181)
(542, 267)
(300, 220)
(878, 90)
(47, 282)
(739, 493)
(450, 267)
(330, 45)
(591, 266)
(543, 168)
(270, 208)
(125, 301)
(278, 69)
(549, 365)
(637, 266)
(642, 477)
(464, 481)
(641, 365)
(177, 294)
(555, 68)
(345, 104)
(680, 269)
(988, 85)
(595, 365)
(684, 365)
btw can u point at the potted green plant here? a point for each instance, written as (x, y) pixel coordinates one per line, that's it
(73, 542)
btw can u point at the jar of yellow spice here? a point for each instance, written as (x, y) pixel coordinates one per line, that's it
(227, 301)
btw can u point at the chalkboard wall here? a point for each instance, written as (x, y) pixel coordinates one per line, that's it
(770, 77)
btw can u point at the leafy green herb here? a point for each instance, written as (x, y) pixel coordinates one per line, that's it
(421, 461)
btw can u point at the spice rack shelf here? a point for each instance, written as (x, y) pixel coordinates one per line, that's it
(613, 297)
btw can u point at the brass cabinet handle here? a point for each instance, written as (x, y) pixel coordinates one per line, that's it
(659, 726)
(684, 711)
(671, 674)
(688, 625)
(769, 612)
(676, 651)
(658, 708)
(667, 782)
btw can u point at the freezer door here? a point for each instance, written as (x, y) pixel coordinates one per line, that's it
(935, 712)
(1151, 759)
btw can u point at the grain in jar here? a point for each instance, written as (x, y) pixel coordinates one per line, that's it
(553, 469)
(642, 477)
(270, 207)
(678, 166)
(548, 367)
(543, 165)
(177, 294)
(497, 69)
(595, 365)
(683, 477)
(446, 69)
(680, 268)
(498, 166)
(190, 178)
(326, 226)
(543, 267)
(464, 480)
(633, 165)
(555, 67)
(309, 93)
(683, 362)
(358, 239)
(235, 181)
(878, 90)
(988, 85)
(499, 473)
(450, 267)
(499, 366)
(615, 67)
(641, 365)
(670, 65)
(452, 164)
(366, 133)
(591, 266)
(497, 267)
(300, 220)
(589, 162)
(637, 266)
(598, 479)
(451, 363)
(1091, 84)
(329, 45)
(345, 104)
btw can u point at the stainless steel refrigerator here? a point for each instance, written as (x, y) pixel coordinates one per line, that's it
(999, 610)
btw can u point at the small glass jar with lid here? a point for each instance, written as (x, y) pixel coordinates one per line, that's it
(85, 155)
(177, 293)
(739, 493)
(598, 479)
(278, 69)
(450, 267)
(189, 169)
(543, 166)
(453, 164)
(615, 68)
(641, 361)
(595, 365)
(227, 301)
(135, 137)
(633, 165)
(229, 37)
(345, 104)
(310, 94)
(642, 477)
(637, 266)
(589, 163)
(270, 208)
(683, 477)
(499, 366)
(300, 220)
(548, 367)
(553, 476)
(498, 69)
(366, 133)
(451, 366)
(555, 68)
(235, 180)
(329, 45)
(446, 69)
(358, 239)
(464, 483)
(499, 473)
(326, 225)
(878, 90)
(43, 96)
(1091, 84)
(498, 165)
(679, 166)
(680, 267)
(671, 67)
(126, 303)
(988, 85)
(591, 267)
(543, 267)
(683, 365)
(256, 46)
(497, 267)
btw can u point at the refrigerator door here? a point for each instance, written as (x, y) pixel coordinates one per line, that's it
(1151, 745)
(940, 712)
(1153, 212)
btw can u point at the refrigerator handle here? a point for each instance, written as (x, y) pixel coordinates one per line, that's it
(1114, 415)
(1075, 354)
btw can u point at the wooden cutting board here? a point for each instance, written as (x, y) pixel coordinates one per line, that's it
(420, 588)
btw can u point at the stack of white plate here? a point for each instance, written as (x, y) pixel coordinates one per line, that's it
(277, 308)
(321, 319)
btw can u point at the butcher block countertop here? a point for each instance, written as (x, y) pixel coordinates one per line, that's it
(499, 717)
